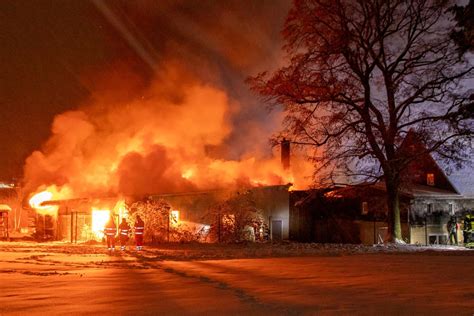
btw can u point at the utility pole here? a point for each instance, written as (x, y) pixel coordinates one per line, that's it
(19, 206)
(219, 226)
(168, 228)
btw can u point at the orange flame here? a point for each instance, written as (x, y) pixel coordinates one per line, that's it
(99, 219)
(159, 141)
(37, 200)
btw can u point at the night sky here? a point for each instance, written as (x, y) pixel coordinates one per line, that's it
(54, 53)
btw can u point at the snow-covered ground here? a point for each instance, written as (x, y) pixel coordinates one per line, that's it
(253, 279)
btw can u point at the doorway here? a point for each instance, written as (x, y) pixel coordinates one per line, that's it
(277, 231)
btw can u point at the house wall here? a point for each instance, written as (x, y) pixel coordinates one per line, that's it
(194, 210)
(272, 201)
(438, 233)
(368, 228)
(433, 222)
(46, 227)
(419, 206)
(79, 231)
(338, 216)
(416, 172)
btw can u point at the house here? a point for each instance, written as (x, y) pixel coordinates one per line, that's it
(358, 214)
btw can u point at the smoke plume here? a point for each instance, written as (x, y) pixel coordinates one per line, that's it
(134, 139)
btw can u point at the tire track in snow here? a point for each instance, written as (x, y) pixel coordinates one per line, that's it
(241, 294)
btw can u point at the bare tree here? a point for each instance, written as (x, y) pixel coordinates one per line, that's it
(361, 75)
(237, 218)
(155, 215)
(463, 34)
(161, 225)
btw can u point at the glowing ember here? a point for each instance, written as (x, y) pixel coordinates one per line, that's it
(99, 219)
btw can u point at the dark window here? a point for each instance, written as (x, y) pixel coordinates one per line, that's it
(365, 208)
(438, 239)
(429, 208)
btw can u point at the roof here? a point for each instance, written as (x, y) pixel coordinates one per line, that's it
(213, 191)
(423, 191)
(462, 179)
(432, 192)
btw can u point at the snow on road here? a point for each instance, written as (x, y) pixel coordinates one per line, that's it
(60, 279)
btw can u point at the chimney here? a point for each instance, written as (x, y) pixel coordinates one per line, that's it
(285, 153)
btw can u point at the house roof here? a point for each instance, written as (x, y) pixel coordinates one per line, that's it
(212, 191)
(423, 191)
(463, 180)
(432, 192)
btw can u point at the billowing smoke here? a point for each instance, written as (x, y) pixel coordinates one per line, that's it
(169, 112)
(134, 139)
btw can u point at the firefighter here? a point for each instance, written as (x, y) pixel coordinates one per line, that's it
(110, 232)
(453, 231)
(124, 230)
(139, 230)
(468, 231)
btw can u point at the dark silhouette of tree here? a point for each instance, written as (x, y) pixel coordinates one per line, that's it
(463, 35)
(361, 75)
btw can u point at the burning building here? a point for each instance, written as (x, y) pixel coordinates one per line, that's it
(173, 136)
(264, 210)
(261, 213)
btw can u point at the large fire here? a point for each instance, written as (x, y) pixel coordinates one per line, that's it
(99, 219)
(37, 201)
(171, 137)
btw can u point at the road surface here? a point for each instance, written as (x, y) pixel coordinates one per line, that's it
(62, 279)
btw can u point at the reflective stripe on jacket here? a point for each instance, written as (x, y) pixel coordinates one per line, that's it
(110, 231)
(139, 230)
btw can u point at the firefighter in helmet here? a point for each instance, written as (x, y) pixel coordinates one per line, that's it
(452, 227)
(468, 230)
(110, 232)
(124, 230)
(139, 230)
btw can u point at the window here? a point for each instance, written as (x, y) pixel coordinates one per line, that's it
(438, 239)
(430, 179)
(451, 209)
(174, 217)
(429, 208)
(365, 208)
(228, 220)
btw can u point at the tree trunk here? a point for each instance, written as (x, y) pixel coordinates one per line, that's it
(393, 203)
